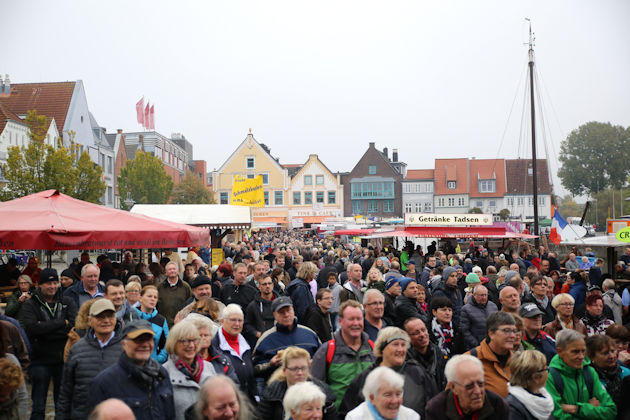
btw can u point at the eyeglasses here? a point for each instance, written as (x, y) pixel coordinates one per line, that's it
(298, 369)
(567, 304)
(235, 320)
(471, 386)
(508, 331)
(543, 370)
(133, 291)
(189, 341)
(375, 304)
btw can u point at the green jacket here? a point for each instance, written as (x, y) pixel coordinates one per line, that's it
(576, 393)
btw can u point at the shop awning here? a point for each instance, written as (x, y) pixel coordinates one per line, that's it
(452, 232)
(354, 232)
(269, 219)
(213, 216)
(313, 219)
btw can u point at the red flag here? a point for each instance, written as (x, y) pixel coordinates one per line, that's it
(139, 113)
(152, 118)
(146, 117)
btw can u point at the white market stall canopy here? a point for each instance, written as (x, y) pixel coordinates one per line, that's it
(213, 216)
(605, 241)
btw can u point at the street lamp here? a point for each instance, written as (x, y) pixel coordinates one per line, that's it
(128, 200)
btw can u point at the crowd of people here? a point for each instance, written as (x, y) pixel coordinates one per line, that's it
(292, 326)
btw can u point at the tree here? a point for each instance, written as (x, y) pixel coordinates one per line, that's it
(504, 214)
(145, 180)
(594, 157)
(475, 210)
(192, 190)
(569, 208)
(39, 166)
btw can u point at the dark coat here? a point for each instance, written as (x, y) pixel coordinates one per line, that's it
(48, 330)
(150, 398)
(241, 295)
(85, 360)
(455, 296)
(549, 313)
(473, 321)
(271, 408)
(406, 308)
(172, 299)
(322, 276)
(258, 318)
(300, 293)
(442, 407)
(243, 366)
(433, 363)
(319, 322)
(518, 411)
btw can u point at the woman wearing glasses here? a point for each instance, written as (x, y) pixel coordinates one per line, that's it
(186, 369)
(564, 304)
(528, 399)
(295, 368)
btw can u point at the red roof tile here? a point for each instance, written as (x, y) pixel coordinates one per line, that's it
(419, 174)
(49, 99)
(451, 170)
(487, 169)
(5, 116)
(519, 179)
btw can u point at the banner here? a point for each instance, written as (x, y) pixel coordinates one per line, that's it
(152, 118)
(248, 192)
(146, 116)
(429, 219)
(139, 111)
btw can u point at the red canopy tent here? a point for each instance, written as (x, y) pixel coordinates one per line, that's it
(49, 220)
(354, 232)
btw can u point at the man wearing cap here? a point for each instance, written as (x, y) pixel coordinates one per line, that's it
(406, 305)
(474, 316)
(534, 335)
(88, 288)
(286, 332)
(97, 350)
(448, 287)
(48, 317)
(411, 270)
(136, 379)
(201, 288)
(392, 291)
(258, 314)
(538, 296)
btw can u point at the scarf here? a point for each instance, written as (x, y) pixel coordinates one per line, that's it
(147, 373)
(611, 378)
(232, 340)
(539, 406)
(424, 306)
(193, 371)
(443, 335)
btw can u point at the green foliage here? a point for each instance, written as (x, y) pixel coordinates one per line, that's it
(192, 190)
(569, 208)
(504, 214)
(602, 206)
(39, 166)
(145, 180)
(594, 157)
(475, 210)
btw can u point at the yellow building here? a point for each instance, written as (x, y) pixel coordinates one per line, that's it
(249, 160)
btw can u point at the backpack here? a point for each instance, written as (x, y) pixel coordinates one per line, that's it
(558, 381)
(330, 352)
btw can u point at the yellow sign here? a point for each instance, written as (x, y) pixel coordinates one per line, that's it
(217, 256)
(623, 235)
(248, 192)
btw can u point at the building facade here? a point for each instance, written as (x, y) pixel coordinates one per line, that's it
(519, 197)
(174, 158)
(417, 191)
(451, 186)
(487, 185)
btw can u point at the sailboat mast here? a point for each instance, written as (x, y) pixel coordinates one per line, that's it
(533, 115)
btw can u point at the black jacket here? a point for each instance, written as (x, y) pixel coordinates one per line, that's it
(319, 322)
(518, 411)
(241, 295)
(85, 360)
(433, 363)
(48, 330)
(271, 408)
(258, 318)
(322, 277)
(406, 308)
(442, 407)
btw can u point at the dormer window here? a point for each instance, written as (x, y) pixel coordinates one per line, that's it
(487, 186)
(451, 185)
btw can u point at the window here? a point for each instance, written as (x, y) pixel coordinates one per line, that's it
(223, 198)
(266, 194)
(418, 187)
(427, 207)
(440, 202)
(530, 171)
(520, 201)
(428, 187)
(461, 202)
(388, 206)
(372, 170)
(407, 207)
(250, 176)
(308, 197)
(357, 206)
(479, 204)
(278, 198)
(372, 206)
(297, 198)
(487, 186)
(265, 179)
(451, 185)
(308, 179)
(541, 201)
(250, 163)
(510, 201)
(493, 204)
(451, 202)
(110, 165)
(418, 207)
(319, 179)
(530, 201)
(319, 197)
(110, 195)
(332, 197)
(372, 190)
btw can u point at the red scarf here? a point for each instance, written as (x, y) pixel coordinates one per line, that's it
(475, 415)
(232, 340)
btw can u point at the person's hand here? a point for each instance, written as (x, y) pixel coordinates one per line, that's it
(623, 356)
(276, 360)
(594, 402)
(570, 409)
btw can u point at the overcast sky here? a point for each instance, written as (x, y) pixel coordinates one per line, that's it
(434, 79)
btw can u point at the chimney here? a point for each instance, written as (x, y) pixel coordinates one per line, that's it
(119, 131)
(7, 85)
(395, 155)
(372, 144)
(385, 152)
(1, 86)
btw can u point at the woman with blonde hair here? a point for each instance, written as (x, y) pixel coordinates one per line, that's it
(146, 310)
(80, 327)
(295, 368)
(375, 279)
(564, 305)
(527, 397)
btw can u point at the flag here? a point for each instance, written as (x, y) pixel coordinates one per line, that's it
(557, 226)
(139, 113)
(152, 118)
(248, 192)
(146, 116)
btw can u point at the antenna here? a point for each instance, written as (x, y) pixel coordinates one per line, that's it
(531, 41)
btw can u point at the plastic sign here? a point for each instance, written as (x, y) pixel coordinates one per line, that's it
(248, 192)
(623, 235)
(432, 219)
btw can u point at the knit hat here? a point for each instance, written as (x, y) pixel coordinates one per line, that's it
(404, 282)
(510, 275)
(472, 278)
(447, 272)
(200, 281)
(390, 282)
(48, 275)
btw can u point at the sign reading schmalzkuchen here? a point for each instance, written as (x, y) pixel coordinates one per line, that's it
(431, 219)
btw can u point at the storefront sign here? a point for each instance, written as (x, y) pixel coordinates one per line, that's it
(431, 219)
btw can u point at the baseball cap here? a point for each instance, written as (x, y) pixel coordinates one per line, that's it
(100, 306)
(411, 262)
(281, 302)
(529, 310)
(48, 275)
(136, 328)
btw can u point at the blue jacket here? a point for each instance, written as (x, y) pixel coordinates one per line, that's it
(300, 293)
(578, 292)
(149, 398)
(75, 292)
(543, 343)
(160, 328)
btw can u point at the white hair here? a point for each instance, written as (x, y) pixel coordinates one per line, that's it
(477, 269)
(232, 309)
(301, 393)
(451, 366)
(370, 292)
(381, 376)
